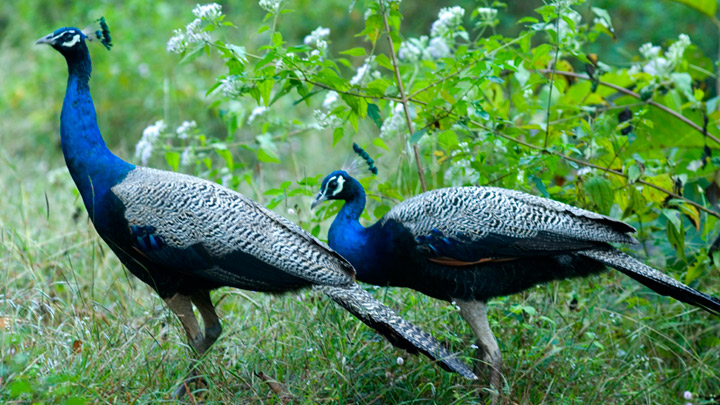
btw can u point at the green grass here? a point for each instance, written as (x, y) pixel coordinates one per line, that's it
(76, 327)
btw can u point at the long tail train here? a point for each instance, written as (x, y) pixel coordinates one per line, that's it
(398, 331)
(653, 279)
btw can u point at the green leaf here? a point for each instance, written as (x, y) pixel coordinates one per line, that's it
(601, 193)
(277, 38)
(634, 173)
(674, 231)
(359, 51)
(173, 160)
(707, 7)
(267, 156)
(385, 62)
(374, 113)
(540, 186)
(414, 138)
(265, 88)
(380, 144)
(338, 134)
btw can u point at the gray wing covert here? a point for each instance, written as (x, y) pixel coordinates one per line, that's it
(490, 217)
(185, 211)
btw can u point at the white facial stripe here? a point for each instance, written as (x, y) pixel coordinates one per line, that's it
(72, 42)
(341, 181)
(324, 190)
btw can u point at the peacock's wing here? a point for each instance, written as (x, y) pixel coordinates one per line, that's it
(463, 225)
(201, 228)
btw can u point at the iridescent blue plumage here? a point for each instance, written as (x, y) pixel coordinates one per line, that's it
(184, 236)
(470, 244)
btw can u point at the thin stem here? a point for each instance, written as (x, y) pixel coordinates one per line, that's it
(552, 75)
(404, 101)
(633, 94)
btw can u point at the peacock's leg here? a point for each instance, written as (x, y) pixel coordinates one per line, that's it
(213, 328)
(475, 314)
(181, 305)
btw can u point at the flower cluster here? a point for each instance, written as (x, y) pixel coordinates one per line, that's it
(326, 120)
(449, 19)
(486, 16)
(658, 65)
(256, 112)
(271, 6)
(208, 12)
(194, 32)
(150, 135)
(394, 123)
(362, 72)
(185, 129)
(442, 37)
(317, 39)
(230, 86)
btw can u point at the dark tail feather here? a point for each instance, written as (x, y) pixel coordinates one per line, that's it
(655, 280)
(398, 331)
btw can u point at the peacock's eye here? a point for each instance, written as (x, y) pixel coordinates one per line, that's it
(332, 184)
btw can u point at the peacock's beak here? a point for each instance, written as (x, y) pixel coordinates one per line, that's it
(47, 39)
(318, 200)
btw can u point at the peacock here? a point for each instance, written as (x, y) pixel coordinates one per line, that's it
(185, 236)
(470, 244)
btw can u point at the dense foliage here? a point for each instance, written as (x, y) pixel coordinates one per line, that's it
(456, 101)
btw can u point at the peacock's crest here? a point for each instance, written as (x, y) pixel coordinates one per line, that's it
(99, 31)
(364, 155)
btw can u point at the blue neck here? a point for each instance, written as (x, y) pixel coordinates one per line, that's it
(359, 245)
(92, 166)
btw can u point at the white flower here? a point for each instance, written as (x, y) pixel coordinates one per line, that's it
(256, 112)
(414, 49)
(318, 34)
(230, 86)
(473, 346)
(325, 119)
(271, 6)
(185, 128)
(186, 157)
(330, 99)
(394, 123)
(486, 13)
(449, 18)
(362, 72)
(657, 66)
(177, 44)
(400, 361)
(648, 51)
(438, 48)
(150, 135)
(677, 48)
(226, 179)
(317, 39)
(208, 12)
(194, 34)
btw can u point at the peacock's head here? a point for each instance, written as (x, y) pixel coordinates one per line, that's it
(336, 186)
(65, 40)
(70, 40)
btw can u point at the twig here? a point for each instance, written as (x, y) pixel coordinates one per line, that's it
(637, 96)
(608, 170)
(404, 101)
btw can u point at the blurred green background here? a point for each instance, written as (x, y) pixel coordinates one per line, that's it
(139, 82)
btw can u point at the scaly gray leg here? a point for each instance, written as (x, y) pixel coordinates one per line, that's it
(213, 328)
(475, 314)
(181, 305)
